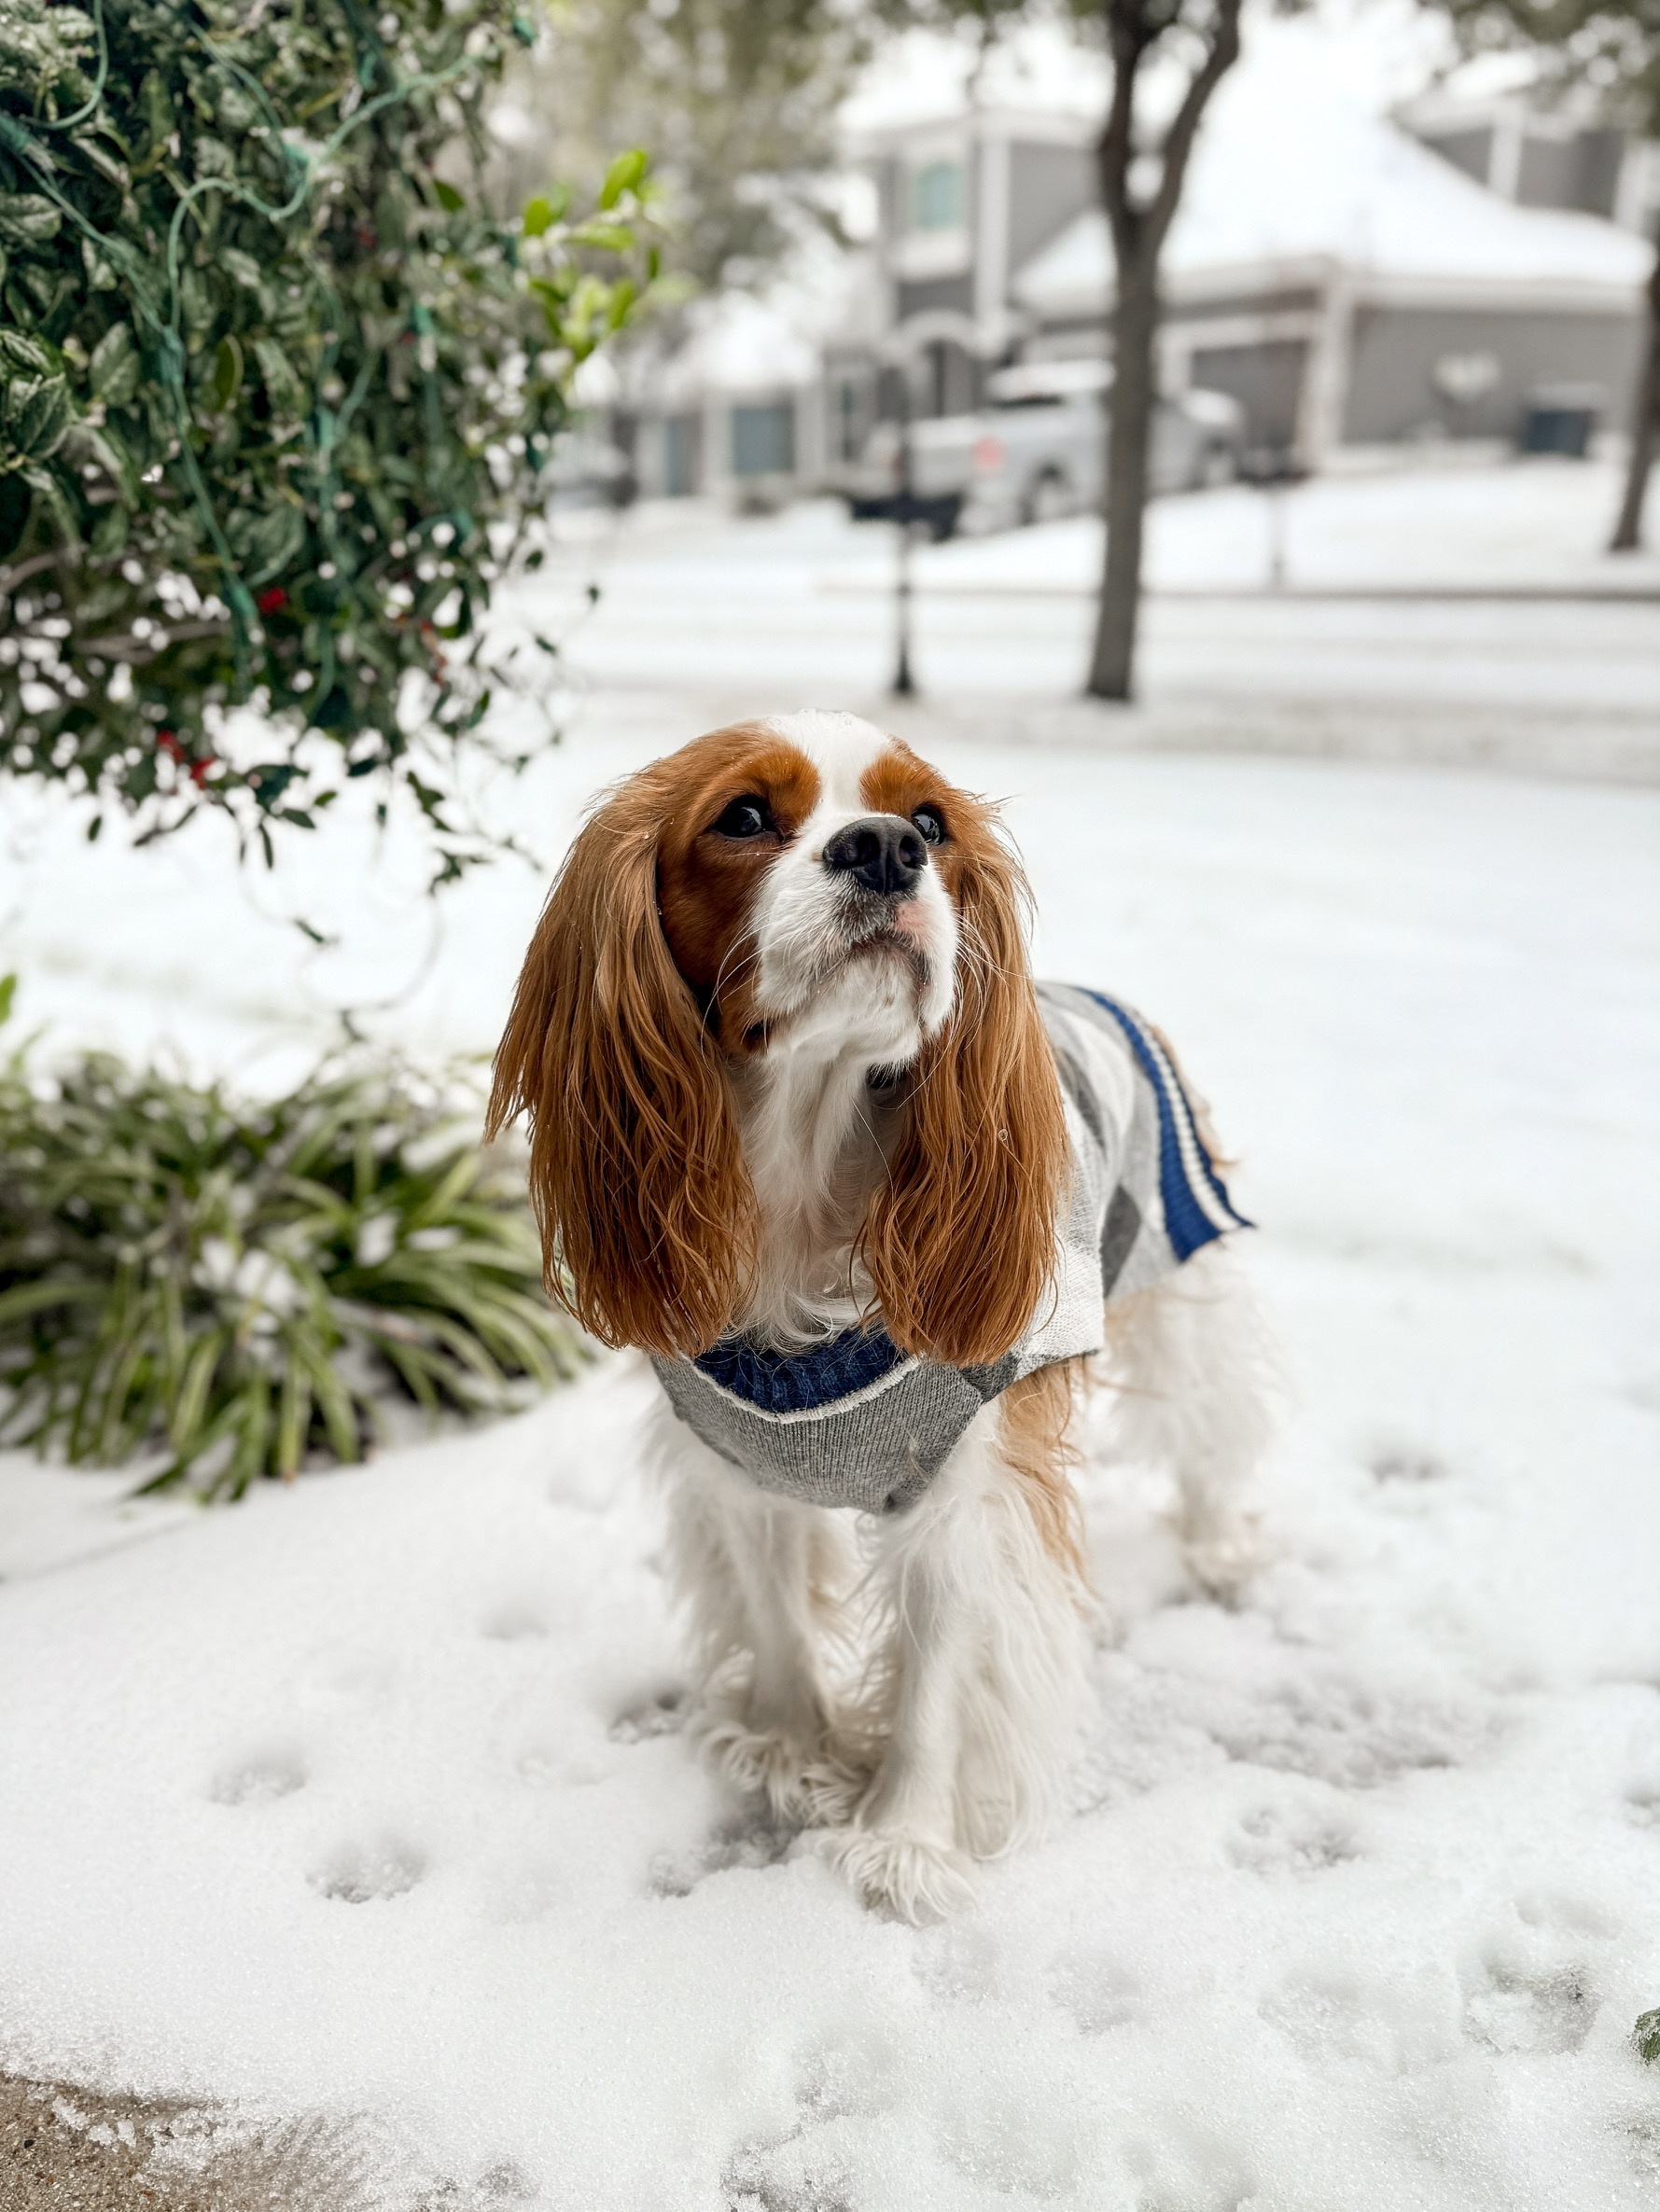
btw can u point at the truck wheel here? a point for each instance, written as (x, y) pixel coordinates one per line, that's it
(1217, 467)
(943, 519)
(1048, 499)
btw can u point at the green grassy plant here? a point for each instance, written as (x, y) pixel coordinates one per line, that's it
(244, 1287)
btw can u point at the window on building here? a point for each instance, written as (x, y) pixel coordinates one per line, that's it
(680, 455)
(763, 439)
(946, 385)
(939, 197)
(848, 419)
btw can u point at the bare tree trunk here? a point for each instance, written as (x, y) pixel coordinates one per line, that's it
(1139, 222)
(1645, 427)
(1129, 403)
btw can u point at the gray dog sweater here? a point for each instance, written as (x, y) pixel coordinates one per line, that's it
(857, 1422)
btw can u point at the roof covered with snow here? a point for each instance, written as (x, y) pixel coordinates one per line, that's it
(1291, 170)
(756, 345)
(936, 76)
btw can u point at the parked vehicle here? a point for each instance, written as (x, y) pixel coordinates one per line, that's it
(941, 473)
(1037, 452)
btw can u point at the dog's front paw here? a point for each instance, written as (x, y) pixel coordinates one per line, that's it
(1223, 1557)
(803, 1784)
(831, 1785)
(916, 1880)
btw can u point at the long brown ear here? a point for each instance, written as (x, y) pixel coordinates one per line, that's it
(959, 1242)
(636, 1173)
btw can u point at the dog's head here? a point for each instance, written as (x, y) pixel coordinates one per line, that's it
(800, 884)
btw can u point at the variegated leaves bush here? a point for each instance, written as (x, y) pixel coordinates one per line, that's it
(277, 391)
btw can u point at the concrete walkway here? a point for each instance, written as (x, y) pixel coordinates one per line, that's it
(77, 2150)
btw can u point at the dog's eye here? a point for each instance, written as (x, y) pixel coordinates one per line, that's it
(745, 818)
(932, 823)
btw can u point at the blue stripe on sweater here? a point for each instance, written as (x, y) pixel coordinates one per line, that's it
(1187, 1224)
(805, 1381)
(801, 1381)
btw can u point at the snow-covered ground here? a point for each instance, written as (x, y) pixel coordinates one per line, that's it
(1456, 522)
(1364, 653)
(702, 619)
(363, 1801)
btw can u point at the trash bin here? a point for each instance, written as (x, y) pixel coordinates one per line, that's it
(1560, 418)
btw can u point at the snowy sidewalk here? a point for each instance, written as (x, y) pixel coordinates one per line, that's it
(363, 1803)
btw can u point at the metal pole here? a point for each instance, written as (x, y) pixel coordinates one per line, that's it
(904, 685)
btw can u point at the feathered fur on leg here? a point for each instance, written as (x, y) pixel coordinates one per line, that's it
(979, 1689)
(1194, 1376)
(762, 1584)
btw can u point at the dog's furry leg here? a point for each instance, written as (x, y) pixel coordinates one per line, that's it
(761, 1581)
(1195, 1372)
(978, 1587)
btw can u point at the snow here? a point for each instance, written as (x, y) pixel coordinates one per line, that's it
(925, 77)
(742, 344)
(703, 616)
(1451, 523)
(1290, 169)
(1369, 53)
(364, 1800)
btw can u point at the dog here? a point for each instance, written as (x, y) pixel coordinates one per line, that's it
(807, 1132)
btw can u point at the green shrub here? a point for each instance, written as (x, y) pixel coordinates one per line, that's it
(244, 1287)
(276, 397)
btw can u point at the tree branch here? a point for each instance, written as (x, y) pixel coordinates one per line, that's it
(126, 648)
(59, 557)
(1126, 31)
(1178, 138)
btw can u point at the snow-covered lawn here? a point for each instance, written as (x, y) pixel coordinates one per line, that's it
(364, 1800)
(1465, 522)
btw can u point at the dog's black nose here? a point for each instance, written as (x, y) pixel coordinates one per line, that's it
(883, 853)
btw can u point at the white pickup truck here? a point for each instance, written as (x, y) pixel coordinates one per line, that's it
(1037, 452)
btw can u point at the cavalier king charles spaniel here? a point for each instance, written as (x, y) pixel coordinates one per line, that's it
(805, 1131)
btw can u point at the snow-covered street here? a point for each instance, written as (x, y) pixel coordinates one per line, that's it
(1454, 612)
(363, 1801)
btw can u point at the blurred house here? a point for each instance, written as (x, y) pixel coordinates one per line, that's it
(1349, 280)
(1350, 286)
(962, 195)
(767, 395)
(735, 411)
(966, 204)
(1552, 156)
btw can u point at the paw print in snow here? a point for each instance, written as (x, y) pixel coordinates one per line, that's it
(959, 1960)
(259, 1779)
(1544, 2011)
(743, 1843)
(1095, 1989)
(1407, 1463)
(513, 1622)
(1533, 1988)
(363, 1873)
(1278, 1840)
(796, 2175)
(661, 1716)
(1395, 2024)
(1018, 2146)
